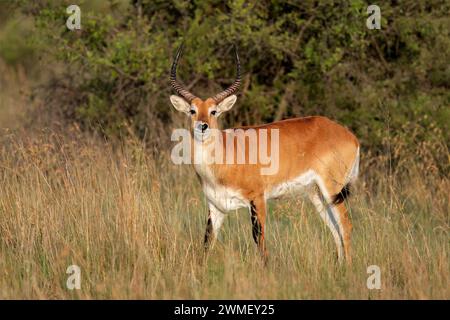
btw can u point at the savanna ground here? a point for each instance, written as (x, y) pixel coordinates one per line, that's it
(134, 223)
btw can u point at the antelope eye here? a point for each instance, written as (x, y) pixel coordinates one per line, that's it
(213, 112)
(192, 111)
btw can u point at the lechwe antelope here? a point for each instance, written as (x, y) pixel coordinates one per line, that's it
(317, 157)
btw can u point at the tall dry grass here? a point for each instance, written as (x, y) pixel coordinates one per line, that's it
(134, 223)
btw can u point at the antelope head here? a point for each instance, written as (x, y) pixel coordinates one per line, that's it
(203, 113)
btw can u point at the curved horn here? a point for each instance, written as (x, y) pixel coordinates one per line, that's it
(235, 86)
(173, 78)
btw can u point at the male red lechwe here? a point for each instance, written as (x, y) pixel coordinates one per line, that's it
(317, 157)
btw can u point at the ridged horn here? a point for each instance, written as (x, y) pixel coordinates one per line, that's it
(235, 86)
(178, 87)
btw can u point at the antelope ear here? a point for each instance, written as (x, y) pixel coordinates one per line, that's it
(227, 103)
(180, 104)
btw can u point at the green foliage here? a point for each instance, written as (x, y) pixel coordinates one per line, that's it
(299, 58)
(14, 47)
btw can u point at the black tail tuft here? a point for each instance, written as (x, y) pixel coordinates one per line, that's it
(341, 196)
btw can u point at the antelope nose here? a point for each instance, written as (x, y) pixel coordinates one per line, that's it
(204, 127)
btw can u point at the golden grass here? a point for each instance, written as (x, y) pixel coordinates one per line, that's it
(135, 224)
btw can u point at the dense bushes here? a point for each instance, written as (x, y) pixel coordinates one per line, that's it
(299, 57)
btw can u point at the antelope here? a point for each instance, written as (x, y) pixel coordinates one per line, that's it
(317, 158)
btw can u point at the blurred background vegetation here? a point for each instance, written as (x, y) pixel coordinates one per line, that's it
(390, 86)
(85, 123)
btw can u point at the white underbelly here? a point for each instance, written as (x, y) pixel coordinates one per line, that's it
(298, 185)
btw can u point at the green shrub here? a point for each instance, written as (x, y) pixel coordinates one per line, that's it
(299, 58)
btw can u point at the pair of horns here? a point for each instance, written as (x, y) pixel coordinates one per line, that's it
(182, 91)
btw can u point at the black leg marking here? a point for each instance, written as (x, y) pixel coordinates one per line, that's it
(208, 233)
(256, 230)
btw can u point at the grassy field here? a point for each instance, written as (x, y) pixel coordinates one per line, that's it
(135, 224)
